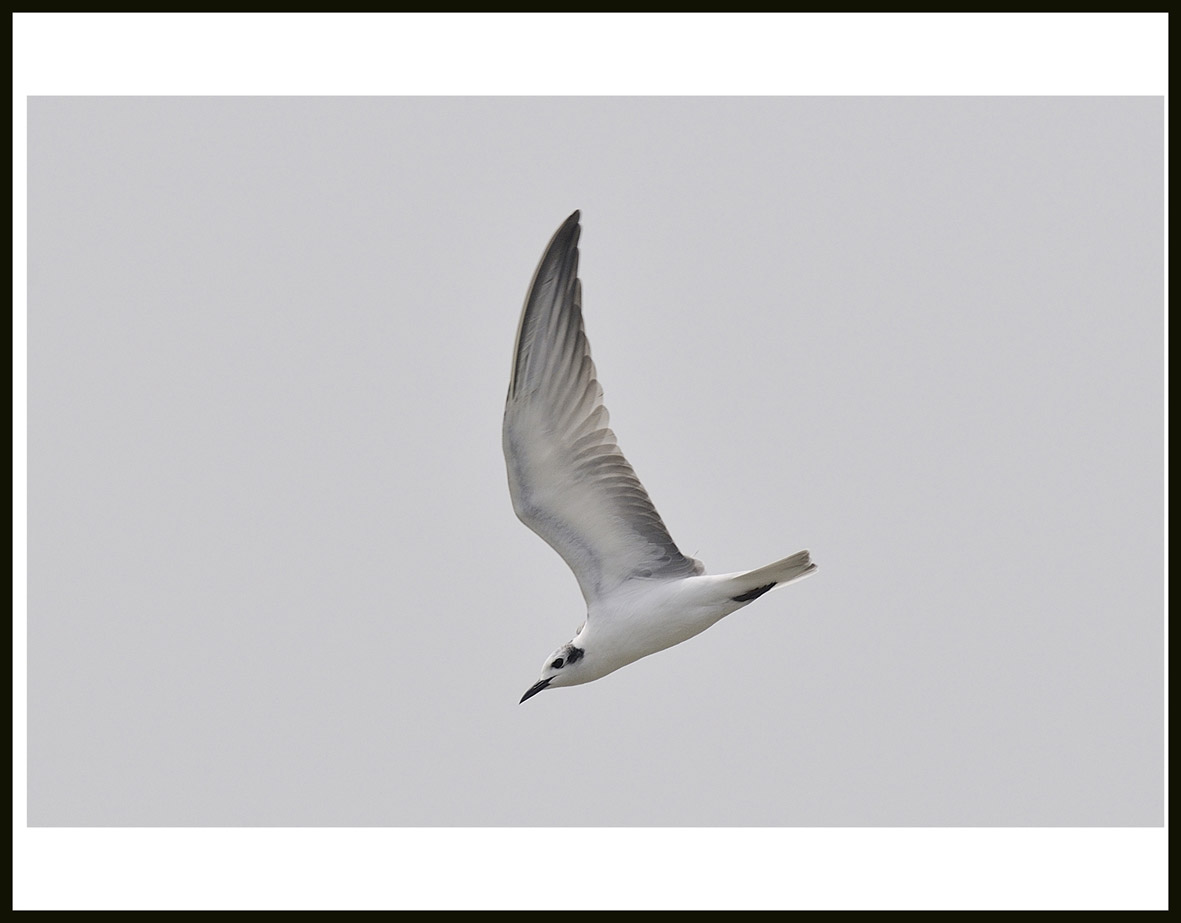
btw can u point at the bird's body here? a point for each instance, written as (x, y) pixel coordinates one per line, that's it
(571, 484)
(646, 616)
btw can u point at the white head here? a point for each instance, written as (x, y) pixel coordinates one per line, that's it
(566, 666)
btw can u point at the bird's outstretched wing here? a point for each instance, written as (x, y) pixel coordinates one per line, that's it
(569, 481)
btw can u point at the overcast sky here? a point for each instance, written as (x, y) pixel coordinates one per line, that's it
(274, 573)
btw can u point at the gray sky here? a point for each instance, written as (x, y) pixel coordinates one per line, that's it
(274, 573)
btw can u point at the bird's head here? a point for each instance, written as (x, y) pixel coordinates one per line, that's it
(564, 667)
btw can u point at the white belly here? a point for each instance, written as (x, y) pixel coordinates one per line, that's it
(643, 618)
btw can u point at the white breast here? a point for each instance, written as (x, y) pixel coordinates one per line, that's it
(644, 617)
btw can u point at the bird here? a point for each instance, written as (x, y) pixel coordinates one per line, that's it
(571, 484)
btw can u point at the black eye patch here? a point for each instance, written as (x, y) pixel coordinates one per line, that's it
(557, 664)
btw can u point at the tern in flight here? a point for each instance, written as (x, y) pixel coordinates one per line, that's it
(572, 486)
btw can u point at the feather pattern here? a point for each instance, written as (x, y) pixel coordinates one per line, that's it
(569, 481)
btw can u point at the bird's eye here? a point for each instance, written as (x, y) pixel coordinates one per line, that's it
(557, 664)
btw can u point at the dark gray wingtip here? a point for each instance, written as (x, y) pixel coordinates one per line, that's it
(567, 234)
(565, 238)
(554, 287)
(561, 254)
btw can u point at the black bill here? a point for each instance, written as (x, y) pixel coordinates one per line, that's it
(534, 689)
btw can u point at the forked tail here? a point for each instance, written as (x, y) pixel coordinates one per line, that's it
(755, 583)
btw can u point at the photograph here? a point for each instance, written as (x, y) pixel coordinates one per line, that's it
(907, 348)
(731, 448)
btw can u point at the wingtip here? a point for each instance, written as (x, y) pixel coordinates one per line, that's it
(566, 237)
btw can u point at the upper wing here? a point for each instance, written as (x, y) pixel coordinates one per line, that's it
(569, 482)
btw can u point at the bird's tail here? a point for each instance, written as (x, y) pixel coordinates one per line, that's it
(754, 583)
